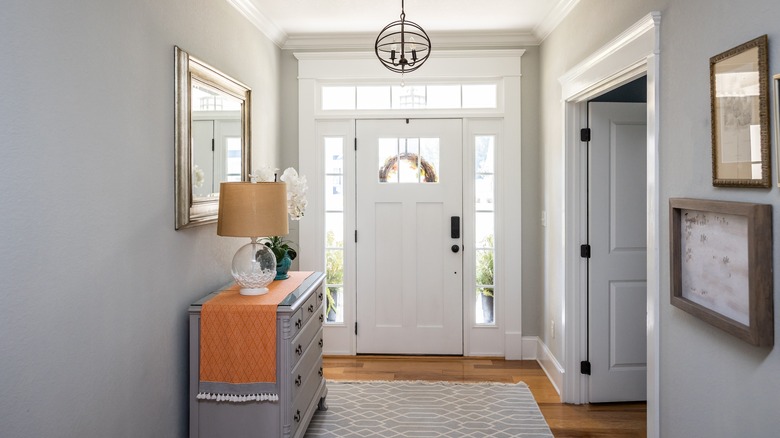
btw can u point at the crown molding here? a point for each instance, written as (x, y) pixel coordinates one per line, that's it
(554, 18)
(494, 53)
(248, 9)
(441, 40)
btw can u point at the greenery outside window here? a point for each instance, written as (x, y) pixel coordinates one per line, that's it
(334, 229)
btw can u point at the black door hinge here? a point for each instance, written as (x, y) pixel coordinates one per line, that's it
(585, 134)
(355, 236)
(355, 143)
(585, 251)
(585, 367)
(355, 329)
(212, 145)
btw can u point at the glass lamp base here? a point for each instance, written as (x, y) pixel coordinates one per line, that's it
(254, 268)
(253, 291)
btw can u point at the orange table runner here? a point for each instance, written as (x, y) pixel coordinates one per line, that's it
(238, 340)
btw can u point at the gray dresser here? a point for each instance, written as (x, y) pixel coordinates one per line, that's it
(299, 380)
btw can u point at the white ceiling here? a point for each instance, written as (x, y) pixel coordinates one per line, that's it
(317, 23)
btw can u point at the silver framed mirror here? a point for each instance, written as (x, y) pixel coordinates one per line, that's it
(212, 137)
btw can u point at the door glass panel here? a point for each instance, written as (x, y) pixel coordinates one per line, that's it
(486, 306)
(483, 188)
(334, 155)
(334, 229)
(429, 161)
(484, 146)
(484, 228)
(409, 160)
(388, 160)
(334, 280)
(334, 304)
(334, 196)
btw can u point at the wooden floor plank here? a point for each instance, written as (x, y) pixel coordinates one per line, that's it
(576, 421)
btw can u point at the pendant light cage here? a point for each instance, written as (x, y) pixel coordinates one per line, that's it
(402, 46)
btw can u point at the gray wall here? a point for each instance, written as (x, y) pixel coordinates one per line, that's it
(712, 384)
(95, 281)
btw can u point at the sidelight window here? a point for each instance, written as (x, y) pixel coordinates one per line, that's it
(334, 229)
(484, 154)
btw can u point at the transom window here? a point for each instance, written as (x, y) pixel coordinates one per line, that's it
(393, 97)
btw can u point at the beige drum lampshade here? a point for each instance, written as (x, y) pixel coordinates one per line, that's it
(252, 209)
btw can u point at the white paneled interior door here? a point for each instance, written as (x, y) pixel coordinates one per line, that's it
(618, 264)
(409, 264)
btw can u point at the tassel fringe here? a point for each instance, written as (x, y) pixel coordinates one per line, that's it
(237, 398)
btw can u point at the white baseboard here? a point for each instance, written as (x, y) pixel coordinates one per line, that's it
(530, 347)
(513, 347)
(535, 349)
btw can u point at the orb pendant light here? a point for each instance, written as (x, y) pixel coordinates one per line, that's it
(402, 46)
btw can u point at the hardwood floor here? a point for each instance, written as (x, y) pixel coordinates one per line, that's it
(598, 420)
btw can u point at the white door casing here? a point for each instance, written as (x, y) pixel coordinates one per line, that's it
(631, 54)
(617, 267)
(409, 280)
(319, 69)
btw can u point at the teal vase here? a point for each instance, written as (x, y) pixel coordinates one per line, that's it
(282, 266)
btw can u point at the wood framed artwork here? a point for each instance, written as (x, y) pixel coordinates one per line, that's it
(739, 106)
(721, 265)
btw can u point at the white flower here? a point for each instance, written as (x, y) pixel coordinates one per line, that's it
(264, 174)
(296, 193)
(198, 176)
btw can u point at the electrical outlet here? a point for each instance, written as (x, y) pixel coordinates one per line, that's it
(552, 328)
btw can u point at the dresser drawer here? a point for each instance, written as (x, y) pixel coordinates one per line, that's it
(320, 295)
(296, 323)
(309, 308)
(300, 343)
(303, 403)
(310, 364)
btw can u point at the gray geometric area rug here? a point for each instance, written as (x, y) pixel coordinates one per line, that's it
(428, 409)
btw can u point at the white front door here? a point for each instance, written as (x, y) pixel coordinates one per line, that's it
(617, 267)
(409, 264)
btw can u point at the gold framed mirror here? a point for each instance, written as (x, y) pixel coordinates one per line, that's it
(212, 137)
(740, 116)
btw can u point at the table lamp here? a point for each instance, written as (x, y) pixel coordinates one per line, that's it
(253, 210)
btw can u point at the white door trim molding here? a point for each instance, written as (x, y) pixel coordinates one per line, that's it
(500, 66)
(633, 53)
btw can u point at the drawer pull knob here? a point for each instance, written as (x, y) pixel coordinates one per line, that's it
(320, 343)
(322, 318)
(298, 323)
(298, 380)
(320, 373)
(299, 350)
(319, 296)
(297, 416)
(311, 308)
